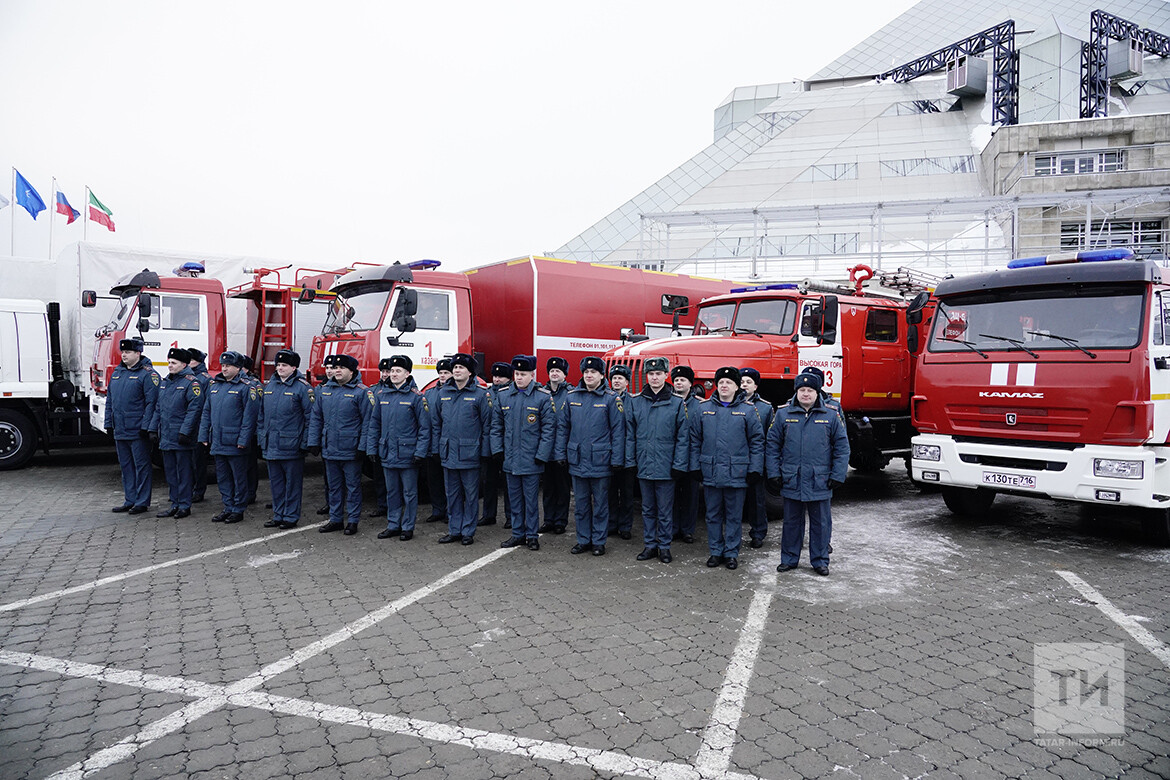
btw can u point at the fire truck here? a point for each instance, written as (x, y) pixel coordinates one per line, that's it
(531, 305)
(862, 338)
(1050, 378)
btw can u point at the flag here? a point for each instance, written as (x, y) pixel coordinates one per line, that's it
(63, 207)
(27, 196)
(99, 213)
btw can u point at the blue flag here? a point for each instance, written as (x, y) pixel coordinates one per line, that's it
(27, 196)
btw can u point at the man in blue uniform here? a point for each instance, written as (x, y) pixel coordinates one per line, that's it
(523, 433)
(657, 447)
(130, 404)
(176, 422)
(688, 493)
(252, 454)
(399, 439)
(461, 434)
(434, 474)
(727, 446)
(493, 475)
(808, 457)
(592, 440)
(557, 482)
(621, 487)
(198, 365)
(337, 432)
(283, 432)
(227, 429)
(755, 508)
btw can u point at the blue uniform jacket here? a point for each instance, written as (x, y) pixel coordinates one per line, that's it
(400, 425)
(592, 431)
(230, 409)
(285, 409)
(727, 442)
(806, 450)
(341, 419)
(131, 399)
(657, 434)
(180, 402)
(461, 427)
(524, 428)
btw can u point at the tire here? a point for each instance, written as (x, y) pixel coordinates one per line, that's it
(871, 462)
(968, 502)
(1156, 526)
(774, 506)
(18, 440)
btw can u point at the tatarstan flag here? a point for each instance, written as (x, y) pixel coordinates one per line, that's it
(99, 213)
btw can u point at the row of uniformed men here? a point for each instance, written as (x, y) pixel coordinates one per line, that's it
(671, 439)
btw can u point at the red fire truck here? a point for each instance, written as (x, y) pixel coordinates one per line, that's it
(1050, 379)
(531, 305)
(863, 340)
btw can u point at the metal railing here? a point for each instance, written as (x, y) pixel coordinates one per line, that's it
(1103, 162)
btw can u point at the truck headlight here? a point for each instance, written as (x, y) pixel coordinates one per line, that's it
(927, 452)
(1118, 469)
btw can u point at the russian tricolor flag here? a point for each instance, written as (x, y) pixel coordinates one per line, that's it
(63, 207)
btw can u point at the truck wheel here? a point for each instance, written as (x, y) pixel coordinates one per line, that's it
(774, 506)
(870, 462)
(1156, 525)
(968, 502)
(18, 440)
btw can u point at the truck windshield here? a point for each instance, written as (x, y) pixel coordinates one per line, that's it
(714, 319)
(121, 313)
(360, 311)
(768, 317)
(1039, 319)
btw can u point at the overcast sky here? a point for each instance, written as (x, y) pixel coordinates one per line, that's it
(325, 133)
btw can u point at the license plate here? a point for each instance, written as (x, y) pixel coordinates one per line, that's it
(1000, 479)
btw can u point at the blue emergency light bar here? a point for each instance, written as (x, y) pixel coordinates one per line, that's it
(423, 265)
(1088, 256)
(757, 288)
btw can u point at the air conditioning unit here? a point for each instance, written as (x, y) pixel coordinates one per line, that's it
(1125, 59)
(967, 76)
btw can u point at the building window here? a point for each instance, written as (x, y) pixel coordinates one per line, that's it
(1070, 163)
(1146, 237)
(831, 172)
(928, 166)
(914, 107)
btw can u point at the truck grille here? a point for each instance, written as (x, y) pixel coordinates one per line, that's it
(1060, 423)
(635, 366)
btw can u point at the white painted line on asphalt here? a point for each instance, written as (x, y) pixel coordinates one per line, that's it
(176, 721)
(1142, 636)
(211, 697)
(714, 755)
(145, 570)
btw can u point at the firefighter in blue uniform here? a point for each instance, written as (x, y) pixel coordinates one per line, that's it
(198, 365)
(130, 403)
(524, 429)
(621, 486)
(252, 455)
(657, 447)
(435, 486)
(808, 458)
(337, 432)
(227, 429)
(727, 446)
(176, 423)
(286, 406)
(399, 439)
(592, 439)
(557, 482)
(755, 508)
(493, 475)
(688, 493)
(461, 434)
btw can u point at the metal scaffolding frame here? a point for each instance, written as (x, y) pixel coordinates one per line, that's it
(1095, 57)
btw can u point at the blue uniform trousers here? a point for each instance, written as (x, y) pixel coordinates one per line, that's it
(621, 500)
(134, 458)
(724, 520)
(437, 489)
(820, 531)
(755, 511)
(345, 490)
(524, 490)
(401, 498)
(494, 484)
(657, 512)
(591, 502)
(686, 505)
(286, 478)
(199, 482)
(177, 467)
(462, 501)
(231, 474)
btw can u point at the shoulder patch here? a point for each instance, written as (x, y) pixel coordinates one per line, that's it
(252, 394)
(370, 396)
(195, 388)
(154, 378)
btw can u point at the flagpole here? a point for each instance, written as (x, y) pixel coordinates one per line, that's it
(52, 211)
(12, 249)
(85, 217)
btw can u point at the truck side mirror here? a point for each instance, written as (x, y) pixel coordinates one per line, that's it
(143, 324)
(88, 299)
(144, 305)
(912, 340)
(404, 311)
(672, 303)
(917, 304)
(827, 332)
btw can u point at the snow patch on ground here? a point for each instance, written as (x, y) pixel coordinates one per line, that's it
(257, 561)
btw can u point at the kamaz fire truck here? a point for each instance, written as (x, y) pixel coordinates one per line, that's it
(1050, 379)
(863, 339)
